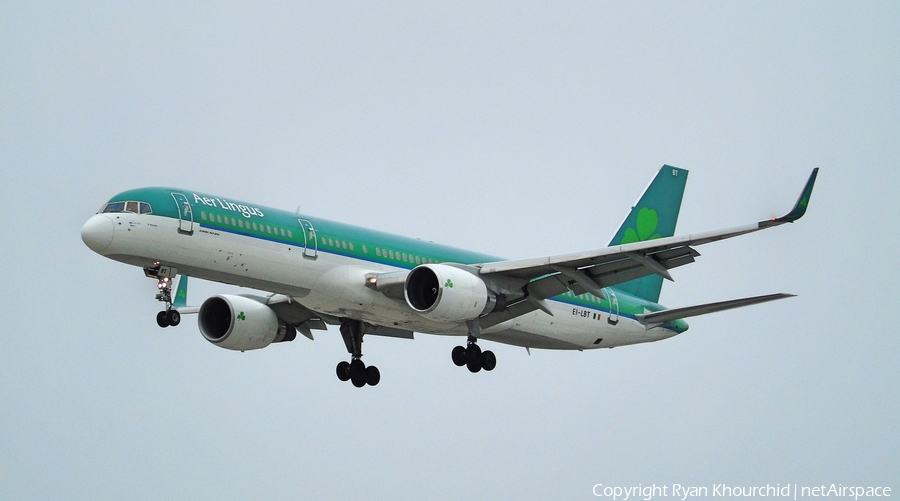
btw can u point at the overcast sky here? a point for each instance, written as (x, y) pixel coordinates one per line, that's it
(513, 129)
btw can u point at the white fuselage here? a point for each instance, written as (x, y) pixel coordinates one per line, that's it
(334, 284)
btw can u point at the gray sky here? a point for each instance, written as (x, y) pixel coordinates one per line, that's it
(516, 130)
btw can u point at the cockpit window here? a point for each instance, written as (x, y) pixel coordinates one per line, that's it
(135, 207)
(115, 207)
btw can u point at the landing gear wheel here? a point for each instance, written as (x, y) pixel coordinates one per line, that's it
(161, 319)
(473, 353)
(343, 370)
(373, 375)
(459, 356)
(358, 373)
(488, 360)
(173, 317)
(473, 358)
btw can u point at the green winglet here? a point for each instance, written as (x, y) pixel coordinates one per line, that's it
(181, 293)
(802, 202)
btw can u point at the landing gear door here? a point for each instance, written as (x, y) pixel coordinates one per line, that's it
(185, 214)
(613, 317)
(310, 241)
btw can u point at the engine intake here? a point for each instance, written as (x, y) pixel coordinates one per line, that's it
(241, 323)
(446, 293)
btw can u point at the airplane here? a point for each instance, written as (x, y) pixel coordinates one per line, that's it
(319, 272)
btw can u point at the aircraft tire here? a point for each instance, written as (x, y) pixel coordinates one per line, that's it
(161, 319)
(473, 358)
(373, 375)
(488, 360)
(358, 373)
(459, 356)
(173, 318)
(343, 370)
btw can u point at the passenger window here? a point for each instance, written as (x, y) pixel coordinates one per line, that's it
(392, 254)
(365, 249)
(255, 227)
(282, 232)
(218, 218)
(343, 244)
(268, 229)
(233, 222)
(377, 250)
(241, 223)
(351, 245)
(418, 260)
(290, 234)
(404, 257)
(203, 214)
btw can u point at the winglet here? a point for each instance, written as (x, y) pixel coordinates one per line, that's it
(800, 207)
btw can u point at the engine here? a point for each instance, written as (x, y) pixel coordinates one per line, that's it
(447, 294)
(241, 323)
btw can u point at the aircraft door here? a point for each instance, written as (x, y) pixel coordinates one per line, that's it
(310, 241)
(613, 317)
(185, 214)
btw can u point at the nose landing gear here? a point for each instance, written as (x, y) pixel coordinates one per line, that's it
(356, 370)
(164, 275)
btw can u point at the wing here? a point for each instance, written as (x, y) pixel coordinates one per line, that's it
(523, 285)
(592, 271)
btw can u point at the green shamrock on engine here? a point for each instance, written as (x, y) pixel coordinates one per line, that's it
(647, 221)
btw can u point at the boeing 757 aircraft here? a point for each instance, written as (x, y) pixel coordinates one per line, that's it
(319, 272)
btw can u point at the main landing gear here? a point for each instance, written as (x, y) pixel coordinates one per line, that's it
(355, 370)
(168, 316)
(473, 358)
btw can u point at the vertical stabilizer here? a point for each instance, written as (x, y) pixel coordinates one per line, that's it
(653, 216)
(181, 293)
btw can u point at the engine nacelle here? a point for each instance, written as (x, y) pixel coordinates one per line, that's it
(447, 294)
(241, 323)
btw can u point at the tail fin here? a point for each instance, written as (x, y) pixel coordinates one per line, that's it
(653, 216)
(181, 293)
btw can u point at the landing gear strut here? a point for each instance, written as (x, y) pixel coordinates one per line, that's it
(471, 356)
(168, 316)
(355, 370)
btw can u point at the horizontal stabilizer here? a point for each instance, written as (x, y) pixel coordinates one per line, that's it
(659, 317)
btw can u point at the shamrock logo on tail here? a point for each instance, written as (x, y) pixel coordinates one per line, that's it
(448, 284)
(241, 316)
(647, 221)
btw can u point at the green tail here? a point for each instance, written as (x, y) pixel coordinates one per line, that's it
(654, 216)
(180, 299)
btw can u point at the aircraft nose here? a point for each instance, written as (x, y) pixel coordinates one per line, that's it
(97, 232)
